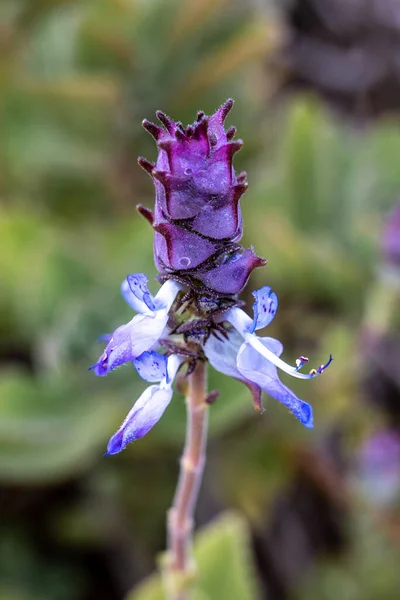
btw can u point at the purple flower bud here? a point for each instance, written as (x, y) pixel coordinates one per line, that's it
(197, 217)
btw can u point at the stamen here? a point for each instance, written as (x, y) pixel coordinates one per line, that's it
(256, 343)
(300, 362)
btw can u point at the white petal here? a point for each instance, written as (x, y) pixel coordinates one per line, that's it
(146, 331)
(167, 294)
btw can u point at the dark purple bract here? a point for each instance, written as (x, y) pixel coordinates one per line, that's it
(197, 218)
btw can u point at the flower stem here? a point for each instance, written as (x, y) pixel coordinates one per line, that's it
(181, 566)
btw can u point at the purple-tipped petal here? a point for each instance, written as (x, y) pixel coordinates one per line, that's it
(232, 276)
(151, 366)
(264, 307)
(145, 413)
(254, 367)
(118, 351)
(131, 340)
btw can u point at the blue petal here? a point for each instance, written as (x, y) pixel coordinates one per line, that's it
(131, 340)
(151, 366)
(104, 337)
(138, 285)
(118, 351)
(145, 413)
(135, 291)
(258, 369)
(264, 307)
(130, 298)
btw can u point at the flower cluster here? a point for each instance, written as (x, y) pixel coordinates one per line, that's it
(196, 315)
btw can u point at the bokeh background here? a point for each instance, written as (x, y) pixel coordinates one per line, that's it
(284, 513)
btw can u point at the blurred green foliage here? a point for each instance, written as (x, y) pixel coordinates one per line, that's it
(77, 78)
(223, 565)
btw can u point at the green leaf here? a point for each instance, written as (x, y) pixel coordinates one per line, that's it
(224, 564)
(48, 430)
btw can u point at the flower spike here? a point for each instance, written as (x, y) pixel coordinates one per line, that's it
(197, 223)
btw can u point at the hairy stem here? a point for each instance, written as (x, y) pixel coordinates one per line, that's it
(181, 514)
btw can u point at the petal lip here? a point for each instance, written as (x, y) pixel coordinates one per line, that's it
(129, 341)
(117, 352)
(142, 333)
(145, 413)
(151, 366)
(256, 368)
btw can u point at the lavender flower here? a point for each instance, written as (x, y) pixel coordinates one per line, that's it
(196, 315)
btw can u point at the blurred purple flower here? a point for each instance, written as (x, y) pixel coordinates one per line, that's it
(378, 467)
(391, 237)
(146, 411)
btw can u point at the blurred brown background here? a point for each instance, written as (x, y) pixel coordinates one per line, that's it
(294, 514)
